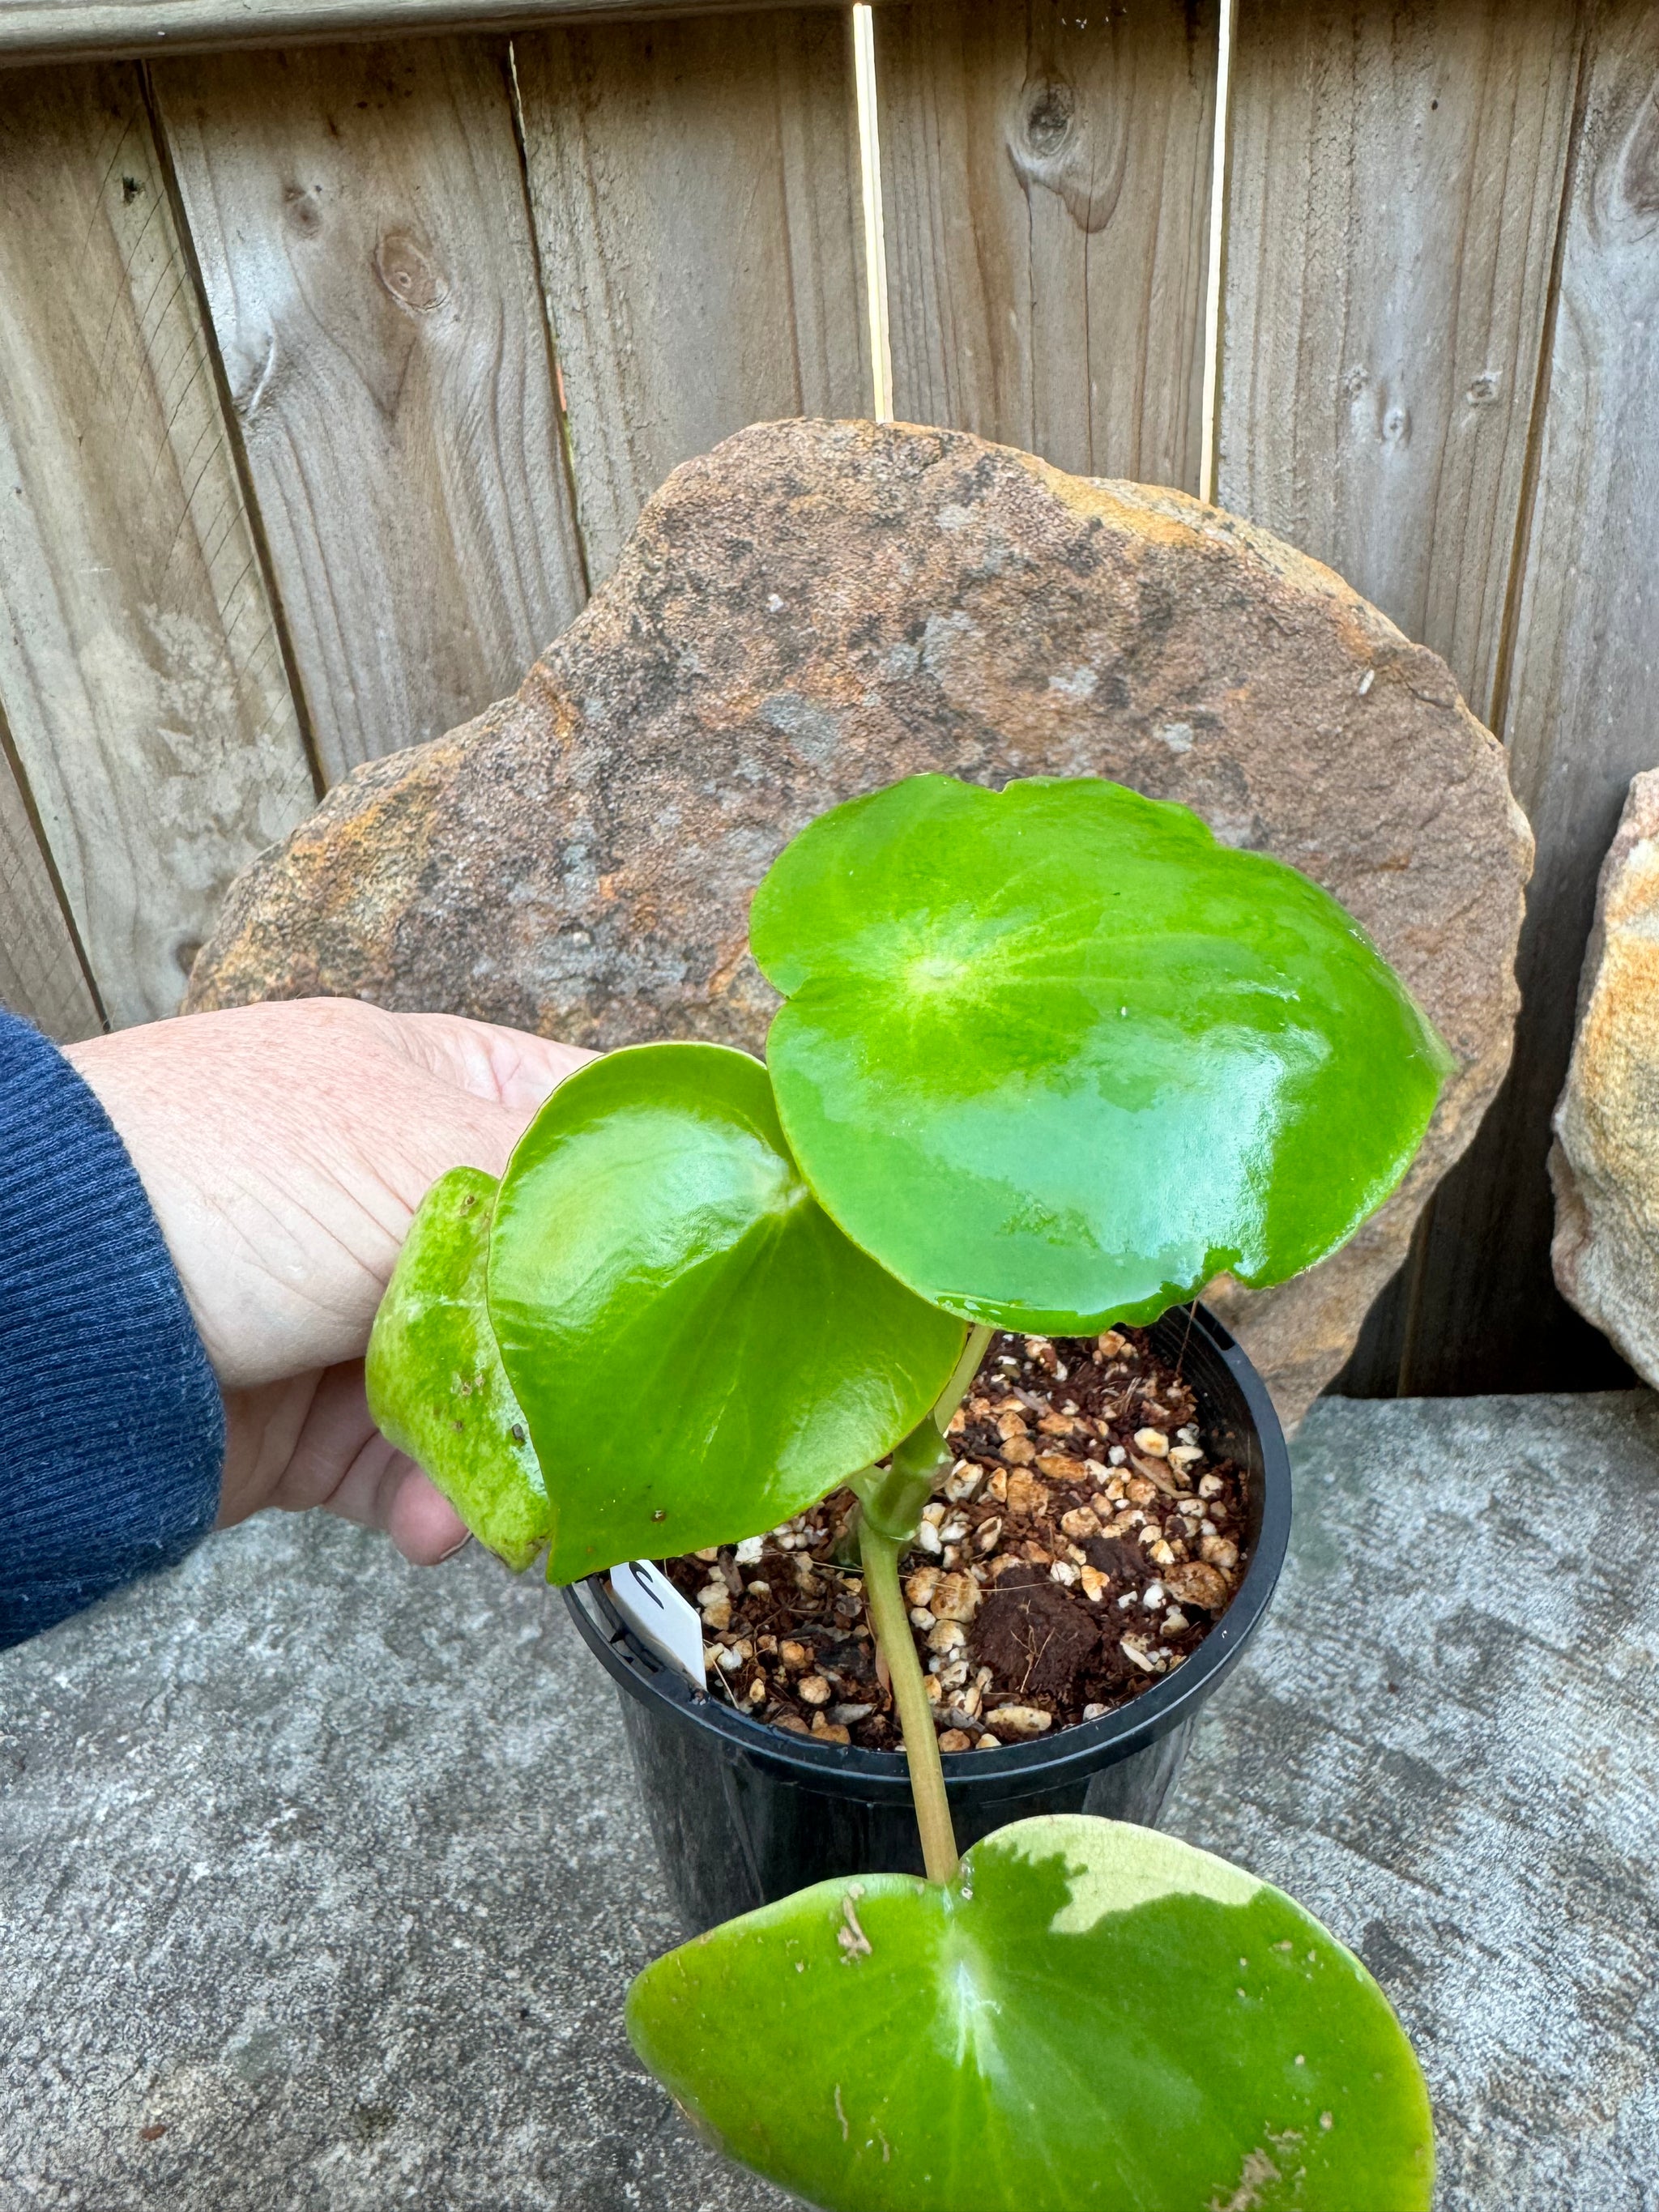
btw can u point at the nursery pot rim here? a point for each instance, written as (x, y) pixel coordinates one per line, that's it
(849, 1769)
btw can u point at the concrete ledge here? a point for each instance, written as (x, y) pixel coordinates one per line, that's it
(332, 1870)
(1446, 1743)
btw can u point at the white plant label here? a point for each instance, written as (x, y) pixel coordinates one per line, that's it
(659, 1616)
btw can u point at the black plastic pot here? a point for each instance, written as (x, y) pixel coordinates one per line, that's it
(743, 1813)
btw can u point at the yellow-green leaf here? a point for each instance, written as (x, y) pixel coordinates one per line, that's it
(1090, 2017)
(436, 1385)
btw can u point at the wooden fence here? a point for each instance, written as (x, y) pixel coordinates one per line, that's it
(332, 376)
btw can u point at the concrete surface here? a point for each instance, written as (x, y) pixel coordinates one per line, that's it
(331, 1870)
(1446, 1744)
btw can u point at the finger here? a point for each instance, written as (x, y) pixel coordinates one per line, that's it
(313, 1443)
(421, 1521)
(383, 1488)
(263, 1428)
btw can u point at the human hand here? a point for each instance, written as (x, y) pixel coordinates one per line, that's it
(284, 1148)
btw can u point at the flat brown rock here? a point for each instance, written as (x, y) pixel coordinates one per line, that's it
(1605, 1161)
(815, 609)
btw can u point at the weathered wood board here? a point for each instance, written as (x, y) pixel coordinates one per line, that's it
(359, 219)
(1046, 179)
(353, 480)
(1396, 180)
(40, 972)
(41, 30)
(1395, 196)
(695, 188)
(140, 670)
(1577, 713)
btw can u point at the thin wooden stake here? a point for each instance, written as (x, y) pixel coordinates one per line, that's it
(1216, 277)
(875, 236)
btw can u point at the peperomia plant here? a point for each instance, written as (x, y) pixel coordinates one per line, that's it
(1048, 1059)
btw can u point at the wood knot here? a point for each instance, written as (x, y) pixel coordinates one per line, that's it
(1076, 153)
(1639, 179)
(1049, 109)
(408, 272)
(301, 209)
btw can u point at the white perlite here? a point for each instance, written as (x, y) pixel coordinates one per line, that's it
(1605, 1162)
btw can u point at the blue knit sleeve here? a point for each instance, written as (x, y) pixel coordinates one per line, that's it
(111, 1428)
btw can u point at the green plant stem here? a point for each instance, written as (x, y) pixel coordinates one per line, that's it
(885, 1601)
(892, 1498)
(962, 1376)
(889, 1506)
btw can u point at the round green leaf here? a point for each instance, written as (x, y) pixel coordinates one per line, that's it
(1056, 1057)
(436, 1386)
(698, 1350)
(1091, 2018)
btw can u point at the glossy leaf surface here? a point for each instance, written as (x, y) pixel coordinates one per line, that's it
(1056, 1057)
(436, 1385)
(698, 1350)
(1091, 2018)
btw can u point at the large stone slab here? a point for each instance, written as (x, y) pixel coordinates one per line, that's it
(815, 609)
(1604, 1163)
(333, 1872)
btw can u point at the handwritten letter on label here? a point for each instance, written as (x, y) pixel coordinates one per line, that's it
(659, 1616)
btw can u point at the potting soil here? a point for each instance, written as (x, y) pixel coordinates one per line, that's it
(1079, 1547)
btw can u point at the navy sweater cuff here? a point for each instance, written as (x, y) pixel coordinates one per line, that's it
(111, 1427)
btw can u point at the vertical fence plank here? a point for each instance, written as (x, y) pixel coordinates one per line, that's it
(40, 971)
(359, 219)
(1579, 719)
(1396, 181)
(140, 671)
(1047, 174)
(696, 189)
